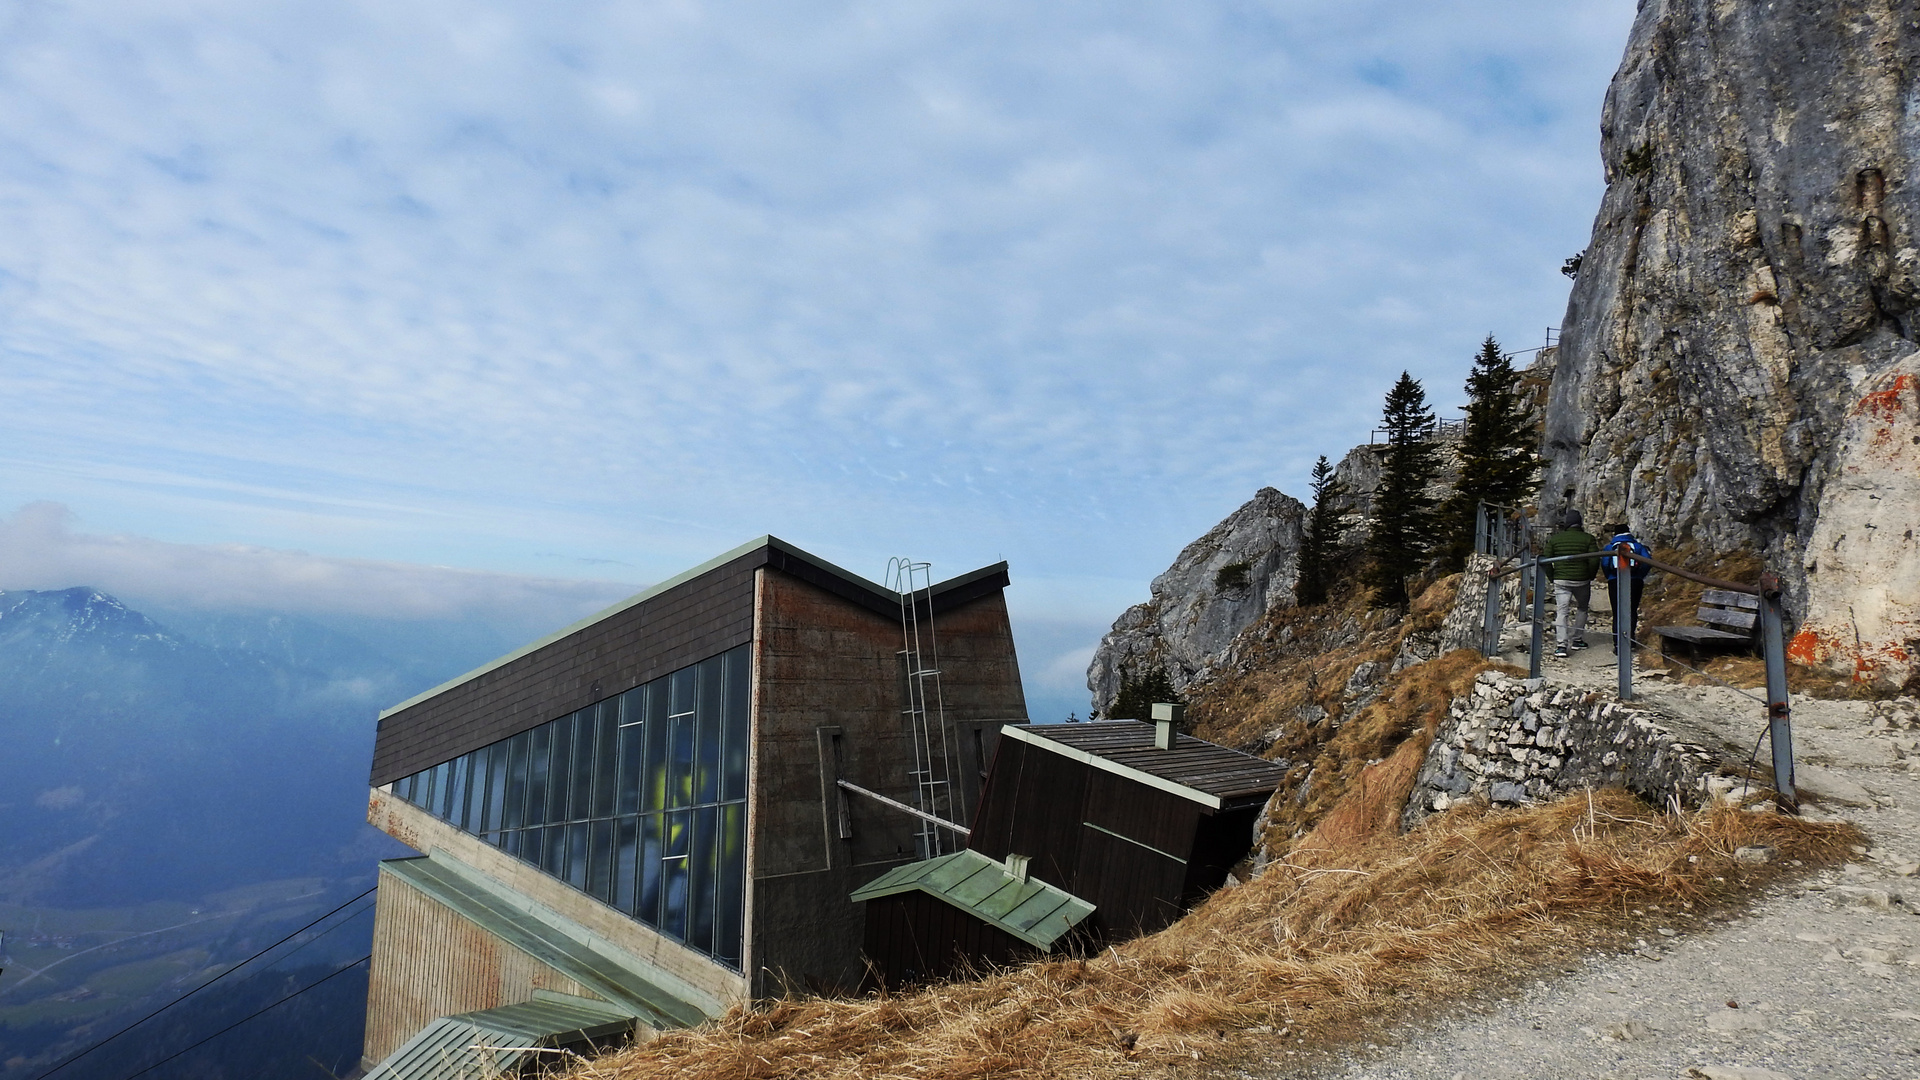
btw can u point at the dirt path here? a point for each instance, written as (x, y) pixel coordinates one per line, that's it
(1825, 975)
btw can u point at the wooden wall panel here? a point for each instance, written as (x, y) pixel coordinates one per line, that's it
(429, 962)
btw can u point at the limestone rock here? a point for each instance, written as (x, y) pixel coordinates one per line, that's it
(1736, 369)
(1219, 585)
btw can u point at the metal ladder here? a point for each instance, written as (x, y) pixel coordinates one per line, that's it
(924, 708)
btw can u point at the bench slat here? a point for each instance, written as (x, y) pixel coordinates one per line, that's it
(1730, 599)
(1722, 617)
(1697, 634)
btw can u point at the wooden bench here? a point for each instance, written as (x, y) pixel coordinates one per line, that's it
(1730, 617)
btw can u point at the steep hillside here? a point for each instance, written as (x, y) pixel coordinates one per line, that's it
(1737, 369)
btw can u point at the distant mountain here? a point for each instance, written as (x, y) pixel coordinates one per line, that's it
(176, 790)
(142, 763)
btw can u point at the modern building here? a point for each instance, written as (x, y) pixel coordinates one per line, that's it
(644, 814)
(1085, 833)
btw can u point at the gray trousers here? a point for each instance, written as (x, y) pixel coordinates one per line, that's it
(1570, 600)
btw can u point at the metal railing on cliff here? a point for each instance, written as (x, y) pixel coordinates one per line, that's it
(1772, 633)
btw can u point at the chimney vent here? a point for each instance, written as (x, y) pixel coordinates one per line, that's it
(1166, 717)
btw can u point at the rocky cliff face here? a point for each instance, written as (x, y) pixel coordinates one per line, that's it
(1219, 585)
(1737, 370)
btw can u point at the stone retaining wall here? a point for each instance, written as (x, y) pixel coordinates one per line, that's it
(1514, 741)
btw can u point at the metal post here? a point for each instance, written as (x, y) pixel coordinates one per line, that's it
(1539, 616)
(1622, 633)
(1490, 628)
(1779, 704)
(1482, 542)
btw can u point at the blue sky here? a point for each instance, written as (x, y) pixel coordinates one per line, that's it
(498, 309)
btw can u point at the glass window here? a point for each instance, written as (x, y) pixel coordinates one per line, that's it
(625, 842)
(702, 875)
(706, 765)
(633, 740)
(519, 750)
(560, 771)
(537, 762)
(638, 800)
(606, 758)
(651, 848)
(600, 860)
(576, 871)
(673, 874)
(475, 818)
(497, 785)
(737, 709)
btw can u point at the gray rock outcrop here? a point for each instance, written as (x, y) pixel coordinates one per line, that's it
(1220, 584)
(1737, 365)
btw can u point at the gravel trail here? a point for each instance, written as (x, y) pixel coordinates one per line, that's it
(1820, 980)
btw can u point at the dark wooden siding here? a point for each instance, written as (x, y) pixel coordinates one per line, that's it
(697, 619)
(1115, 843)
(1220, 842)
(913, 937)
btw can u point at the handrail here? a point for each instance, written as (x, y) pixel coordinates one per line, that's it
(1772, 632)
(1623, 549)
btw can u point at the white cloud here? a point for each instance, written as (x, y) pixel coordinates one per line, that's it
(40, 550)
(465, 283)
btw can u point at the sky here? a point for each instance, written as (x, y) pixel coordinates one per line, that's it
(502, 310)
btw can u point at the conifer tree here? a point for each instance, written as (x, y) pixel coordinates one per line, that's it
(1138, 694)
(1403, 523)
(1498, 456)
(1323, 524)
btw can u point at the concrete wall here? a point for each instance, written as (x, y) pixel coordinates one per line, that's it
(429, 962)
(823, 663)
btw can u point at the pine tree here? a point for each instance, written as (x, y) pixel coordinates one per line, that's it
(1402, 510)
(1498, 456)
(1323, 524)
(1138, 695)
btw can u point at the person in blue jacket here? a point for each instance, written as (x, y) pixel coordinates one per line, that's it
(1624, 584)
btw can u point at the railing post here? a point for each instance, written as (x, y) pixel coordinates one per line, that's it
(1779, 703)
(1622, 633)
(1539, 616)
(1490, 628)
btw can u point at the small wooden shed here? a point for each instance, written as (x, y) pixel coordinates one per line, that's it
(1127, 823)
(931, 919)
(1140, 831)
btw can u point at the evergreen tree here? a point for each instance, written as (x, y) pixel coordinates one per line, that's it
(1403, 523)
(1138, 695)
(1323, 524)
(1498, 456)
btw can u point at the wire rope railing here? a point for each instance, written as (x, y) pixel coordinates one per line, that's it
(1778, 701)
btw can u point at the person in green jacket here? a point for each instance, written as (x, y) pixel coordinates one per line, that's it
(1572, 582)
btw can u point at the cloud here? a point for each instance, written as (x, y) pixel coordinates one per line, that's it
(533, 286)
(40, 550)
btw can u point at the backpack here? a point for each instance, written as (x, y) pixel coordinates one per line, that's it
(1638, 570)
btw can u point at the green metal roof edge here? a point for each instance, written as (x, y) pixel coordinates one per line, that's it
(913, 876)
(768, 540)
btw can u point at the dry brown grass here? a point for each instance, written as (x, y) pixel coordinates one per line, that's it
(1321, 945)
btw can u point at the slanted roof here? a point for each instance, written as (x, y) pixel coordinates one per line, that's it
(1210, 774)
(1031, 910)
(493, 1042)
(628, 983)
(763, 551)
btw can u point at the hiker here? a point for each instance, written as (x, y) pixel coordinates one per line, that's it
(1636, 578)
(1572, 582)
